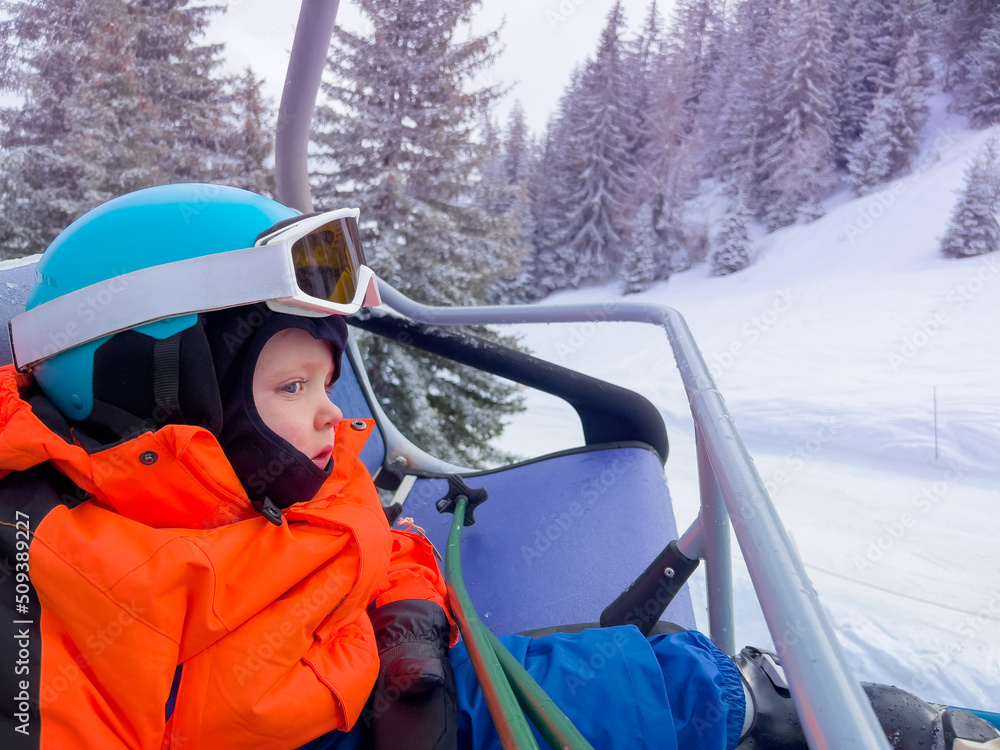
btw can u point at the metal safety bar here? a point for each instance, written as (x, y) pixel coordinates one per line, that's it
(298, 101)
(834, 711)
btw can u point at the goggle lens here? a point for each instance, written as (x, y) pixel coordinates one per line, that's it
(327, 260)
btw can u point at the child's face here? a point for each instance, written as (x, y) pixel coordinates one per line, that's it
(289, 389)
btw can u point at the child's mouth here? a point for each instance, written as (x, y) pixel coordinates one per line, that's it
(322, 458)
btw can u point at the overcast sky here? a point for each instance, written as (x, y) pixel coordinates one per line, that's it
(543, 40)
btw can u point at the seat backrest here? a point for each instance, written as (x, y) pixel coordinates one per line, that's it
(17, 276)
(558, 539)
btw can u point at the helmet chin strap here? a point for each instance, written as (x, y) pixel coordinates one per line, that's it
(167, 378)
(166, 396)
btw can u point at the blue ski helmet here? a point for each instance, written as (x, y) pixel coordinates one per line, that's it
(139, 230)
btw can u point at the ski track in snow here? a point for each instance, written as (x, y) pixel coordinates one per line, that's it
(830, 352)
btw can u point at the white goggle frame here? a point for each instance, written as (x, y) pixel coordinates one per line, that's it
(263, 273)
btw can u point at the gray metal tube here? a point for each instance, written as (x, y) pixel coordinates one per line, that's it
(298, 101)
(691, 544)
(718, 553)
(835, 713)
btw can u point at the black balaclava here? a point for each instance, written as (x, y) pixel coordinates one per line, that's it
(203, 376)
(268, 466)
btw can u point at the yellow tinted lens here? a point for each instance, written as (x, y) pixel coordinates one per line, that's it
(327, 260)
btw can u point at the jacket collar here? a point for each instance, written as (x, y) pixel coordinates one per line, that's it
(176, 477)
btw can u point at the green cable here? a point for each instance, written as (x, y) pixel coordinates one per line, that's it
(513, 728)
(553, 724)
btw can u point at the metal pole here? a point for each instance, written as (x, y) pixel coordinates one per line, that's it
(834, 711)
(718, 553)
(298, 101)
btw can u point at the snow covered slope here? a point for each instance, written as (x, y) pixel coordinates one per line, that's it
(862, 370)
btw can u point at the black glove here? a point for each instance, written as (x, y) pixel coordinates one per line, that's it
(413, 703)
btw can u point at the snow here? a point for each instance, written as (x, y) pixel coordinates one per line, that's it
(861, 369)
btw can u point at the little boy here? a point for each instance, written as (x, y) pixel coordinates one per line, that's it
(188, 576)
(199, 558)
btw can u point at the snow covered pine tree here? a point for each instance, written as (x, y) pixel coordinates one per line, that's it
(400, 145)
(603, 131)
(111, 96)
(974, 229)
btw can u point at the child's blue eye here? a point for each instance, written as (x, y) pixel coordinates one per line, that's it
(291, 388)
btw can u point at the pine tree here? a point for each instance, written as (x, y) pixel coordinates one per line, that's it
(519, 165)
(70, 67)
(643, 62)
(984, 75)
(672, 254)
(870, 160)
(862, 67)
(502, 191)
(972, 49)
(549, 192)
(517, 147)
(666, 143)
(732, 246)
(798, 162)
(114, 95)
(253, 135)
(910, 81)
(401, 144)
(603, 130)
(638, 268)
(751, 74)
(492, 191)
(973, 229)
(181, 87)
(890, 133)
(683, 74)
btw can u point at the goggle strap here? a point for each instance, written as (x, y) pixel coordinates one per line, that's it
(127, 301)
(372, 297)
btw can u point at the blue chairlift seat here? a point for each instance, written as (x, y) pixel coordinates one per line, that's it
(562, 534)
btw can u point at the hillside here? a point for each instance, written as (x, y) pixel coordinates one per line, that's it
(833, 351)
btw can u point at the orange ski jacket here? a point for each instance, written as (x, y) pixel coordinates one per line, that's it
(157, 567)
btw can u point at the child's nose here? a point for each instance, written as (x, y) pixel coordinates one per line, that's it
(329, 414)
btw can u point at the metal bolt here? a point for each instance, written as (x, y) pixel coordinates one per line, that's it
(668, 572)
(358, 424)
(148, 458)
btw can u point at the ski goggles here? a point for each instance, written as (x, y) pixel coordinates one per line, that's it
(312, 267)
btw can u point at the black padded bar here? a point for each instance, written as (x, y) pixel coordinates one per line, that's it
(608, 413)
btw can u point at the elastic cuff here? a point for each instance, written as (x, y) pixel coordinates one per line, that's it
(409, 621)
(732, 684)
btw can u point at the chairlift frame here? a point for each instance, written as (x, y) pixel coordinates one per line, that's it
(834, 710)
